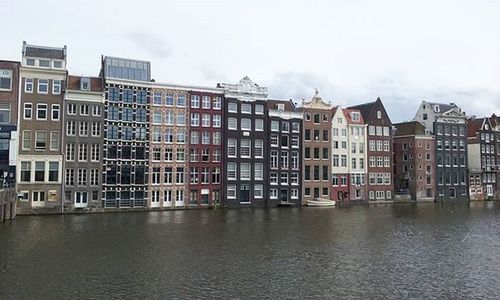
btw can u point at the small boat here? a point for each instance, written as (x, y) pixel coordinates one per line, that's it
(320, 202)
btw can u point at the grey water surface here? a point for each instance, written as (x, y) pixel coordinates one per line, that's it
(449, 251)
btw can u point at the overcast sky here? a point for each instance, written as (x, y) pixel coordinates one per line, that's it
(353, 51)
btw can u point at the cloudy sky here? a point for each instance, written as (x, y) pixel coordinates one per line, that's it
(353, 51)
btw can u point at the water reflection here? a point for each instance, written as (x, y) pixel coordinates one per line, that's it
(447, 250)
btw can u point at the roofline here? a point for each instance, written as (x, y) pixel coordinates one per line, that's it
(64, 48)
(150, 84)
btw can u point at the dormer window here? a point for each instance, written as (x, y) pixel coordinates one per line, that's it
(281, 107)
(486, 127)
(379, 114)
(85, 84)
(45, 63)
(436, 108)
(355, 116)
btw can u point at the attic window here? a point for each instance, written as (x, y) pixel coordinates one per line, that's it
(423, 106)
(355, 116)
(85, 84)
(436, 108)
(44, 63)
(379, 114)
(281, 107)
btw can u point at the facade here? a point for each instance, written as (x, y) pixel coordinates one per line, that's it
(206, 128)
(482, 158)
(357, 154)
(449, 124)
(340, 156)
(82, 143)
(285, 155)
(414, 163)
(126, 133)
(380, 172)
(168, 155)
(39, 164)
(245, 133)
(9, 94)
(317, 148)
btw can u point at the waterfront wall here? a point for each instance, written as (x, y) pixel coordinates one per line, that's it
(8, 206)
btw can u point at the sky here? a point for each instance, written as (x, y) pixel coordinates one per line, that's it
(352, 51)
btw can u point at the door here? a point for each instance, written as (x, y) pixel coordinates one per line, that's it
(489, 190)
(167, 198)
(155, 198)
(245, 193)
(452, 193)
(283, 195)
(38, 199)
(81, 199)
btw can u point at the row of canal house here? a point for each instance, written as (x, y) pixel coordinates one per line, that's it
(121, 140)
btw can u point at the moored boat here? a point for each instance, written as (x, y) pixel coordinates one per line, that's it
(320, 202)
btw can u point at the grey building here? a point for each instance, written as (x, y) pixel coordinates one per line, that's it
(449, 124)
(245, 133)
(284, 153)
(126, 132)
(39, 163)
(83, 140)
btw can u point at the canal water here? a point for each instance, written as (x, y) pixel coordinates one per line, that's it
(401, 251)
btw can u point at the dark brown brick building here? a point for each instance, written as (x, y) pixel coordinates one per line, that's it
(414, 161)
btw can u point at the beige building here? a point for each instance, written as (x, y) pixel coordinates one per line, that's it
(317, 148)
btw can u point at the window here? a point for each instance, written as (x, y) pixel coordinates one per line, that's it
(217, 138)
(217, 104)
(245, 171)
(284, 178)
(26, 142)
(39, 171)
(216, 155)
(195, 101)
(181, 118)
(56, 87)
(216, 121)
(43, 86)
(70, 177)
(259, 125)
(156, 98)
(167, 176)
(95, 152)
(41, 111)
(205, 155)
(82, 177)
(157, 117)
(179, 175)
(274, 159)
(231, 171)
(246, 124)
(40, 140)
(258, 171)
(54, 140)
(275, 126)
(96, 129)
(284, 159)
(53, 171)
(181, 136)
(55, 112)
(274, 140)
(232, 107)
(206, 102)
(273, 193)
(258, 191)
(28, 110)
(379, 114)
(245, 148)
(28, 85)
(316, 119)
(259, 109)
(82, 152)
(94, 177)
(205, 137)
(205, 121)
(246, 108)
(180, 155)
(84, 129)
(5, 80)
(232, 123)
(25, 171)
(231, 191)
(259, 148)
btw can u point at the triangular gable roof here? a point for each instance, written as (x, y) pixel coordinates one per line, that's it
(454, 112)
(367, 109)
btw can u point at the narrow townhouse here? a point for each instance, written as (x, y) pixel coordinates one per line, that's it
(9, 95)
(414, 162)
(482, 158)
(126, 133)
(357, 154)
(340, 153)
(206, 127)
(83, 116)
(317, 148)
(39, 163)
(380, 171)
(449, 125)
(285, 156)
(245, 132)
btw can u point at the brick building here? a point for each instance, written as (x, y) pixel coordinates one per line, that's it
(82, 143)
(379, 138)
(317, 148)
(414, 161)
(39, 164)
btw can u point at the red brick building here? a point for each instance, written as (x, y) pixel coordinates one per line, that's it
(414, 161)
(380, 182)
(205, 147)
